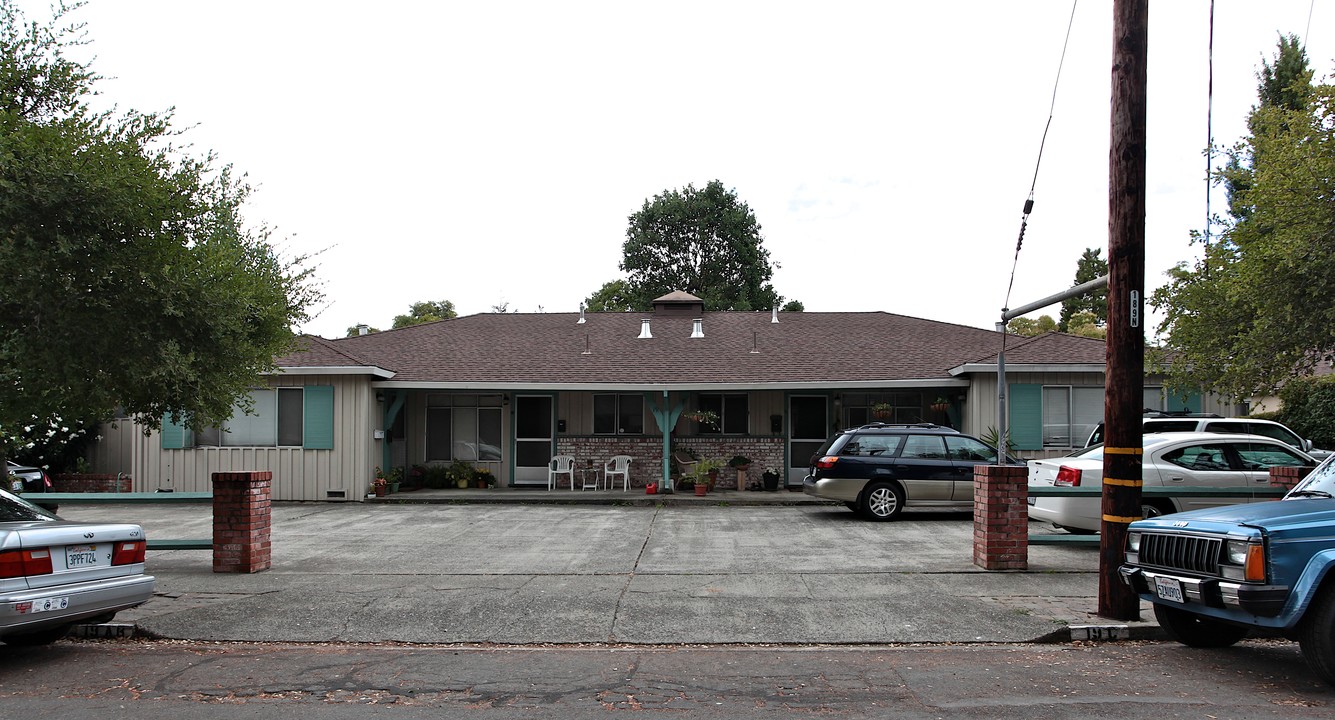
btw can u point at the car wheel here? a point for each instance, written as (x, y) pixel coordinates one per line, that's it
(1195, 630)
(1316, 635)
(1149, 509)
(37, 637)
(882, 501)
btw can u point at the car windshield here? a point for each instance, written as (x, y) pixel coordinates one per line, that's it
(1318, 483)
(13, 508)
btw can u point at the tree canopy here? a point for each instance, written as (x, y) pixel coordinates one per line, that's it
(1030, 327)
(1091, 266)
(130, 278)
(425, 312)
(706, 242)
(613, 296)
(1258, 307)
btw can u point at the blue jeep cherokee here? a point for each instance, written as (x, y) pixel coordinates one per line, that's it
(1212, 574)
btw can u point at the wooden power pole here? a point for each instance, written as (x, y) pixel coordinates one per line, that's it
(1123, 399)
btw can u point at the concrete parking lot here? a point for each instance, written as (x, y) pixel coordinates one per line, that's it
(522, 573)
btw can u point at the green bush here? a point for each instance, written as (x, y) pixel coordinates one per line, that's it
(1309, 409)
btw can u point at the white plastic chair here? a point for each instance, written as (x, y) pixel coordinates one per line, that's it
(561, 465)
(618, 465)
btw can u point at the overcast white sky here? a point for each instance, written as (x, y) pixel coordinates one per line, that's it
(489, 152)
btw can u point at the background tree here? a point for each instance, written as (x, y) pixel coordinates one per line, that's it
(706, 242)
(1087, 324)
(793, 306)
(613, 296)
(356, 330)
(1257, 308)
(425, 312)
(1030, 326)
(1091, 266)
(130, 278)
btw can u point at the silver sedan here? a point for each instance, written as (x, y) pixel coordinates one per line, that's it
(55, 573)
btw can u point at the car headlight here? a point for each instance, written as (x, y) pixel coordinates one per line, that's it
(1237, 552)
(1133, 542)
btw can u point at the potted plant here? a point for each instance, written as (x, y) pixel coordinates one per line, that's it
(771, 479)
(883, 411)
(741, 462)
(704, 418)
(482, 478)
(393, 479)
(940, 405)
(379, 486)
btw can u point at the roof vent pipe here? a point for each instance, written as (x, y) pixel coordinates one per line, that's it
(698, 328)
(363, 329)
(644, 329)
(774, 315)
(581, 314)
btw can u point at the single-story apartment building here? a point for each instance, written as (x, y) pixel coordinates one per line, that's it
(507, 392)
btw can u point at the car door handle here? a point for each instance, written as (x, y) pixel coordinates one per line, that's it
(1175, 478)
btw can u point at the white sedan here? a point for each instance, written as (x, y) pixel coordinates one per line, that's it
(1196, 459)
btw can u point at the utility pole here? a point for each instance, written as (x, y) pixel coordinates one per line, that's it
(1123, 399)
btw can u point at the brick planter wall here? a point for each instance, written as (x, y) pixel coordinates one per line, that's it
(90, 482)
(1000, 517)
(241, 521)
(1287, 477)
(647, 452)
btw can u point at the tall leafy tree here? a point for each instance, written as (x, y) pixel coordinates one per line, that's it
(613, 296)
(1030, 327)
(1259, 306)
(704, 241)
(425, 312)
(1091, 266)
(130, 278)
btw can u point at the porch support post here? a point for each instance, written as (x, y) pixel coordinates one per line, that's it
(391, 414)
(666, 415)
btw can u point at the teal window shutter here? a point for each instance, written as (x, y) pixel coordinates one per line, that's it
(173, 434)
(1026, 417)
(1190, 403)
(318, 408)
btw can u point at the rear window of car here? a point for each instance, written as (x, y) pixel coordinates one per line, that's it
(1170, 426)
(1259, 456)
(872, 445)
(13, 509)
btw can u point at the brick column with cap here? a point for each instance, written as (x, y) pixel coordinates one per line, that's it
(241, 521)
(1000, 517)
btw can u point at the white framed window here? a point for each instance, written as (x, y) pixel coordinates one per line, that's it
(1070, 414)
(463, 427)
(276, 419)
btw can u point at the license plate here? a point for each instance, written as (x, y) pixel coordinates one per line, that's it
(1168, 589)
(78, 557)
(48, 604)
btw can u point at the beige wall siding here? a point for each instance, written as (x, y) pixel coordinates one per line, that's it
(298, 474)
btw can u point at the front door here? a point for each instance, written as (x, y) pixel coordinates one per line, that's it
(533, 438)
(808, 427)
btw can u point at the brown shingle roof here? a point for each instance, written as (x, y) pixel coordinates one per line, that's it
(737, 347)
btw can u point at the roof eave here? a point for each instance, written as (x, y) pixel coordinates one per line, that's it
(969, 368)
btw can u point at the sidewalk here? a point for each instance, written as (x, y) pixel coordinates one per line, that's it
(498, 566)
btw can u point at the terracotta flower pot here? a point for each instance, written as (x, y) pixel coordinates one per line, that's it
(701, 489)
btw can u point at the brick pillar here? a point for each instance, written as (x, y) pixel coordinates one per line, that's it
(1287, 477)
(241, 521)
(1000, 517)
